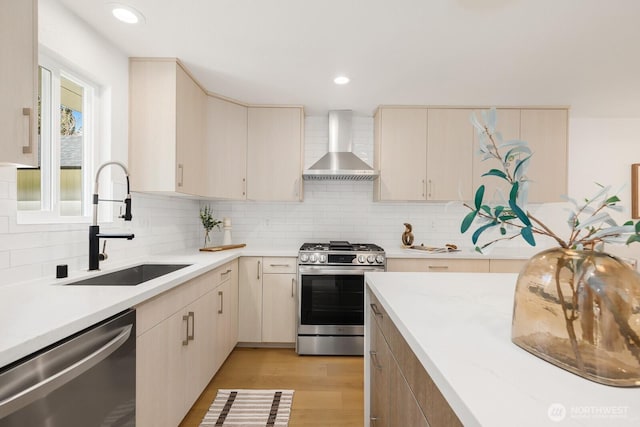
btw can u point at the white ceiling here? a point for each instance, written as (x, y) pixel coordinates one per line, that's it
(581, 53)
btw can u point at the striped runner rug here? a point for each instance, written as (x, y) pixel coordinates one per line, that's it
(250, 408)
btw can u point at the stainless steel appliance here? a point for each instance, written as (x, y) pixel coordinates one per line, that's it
(331, 296)
(86, 380)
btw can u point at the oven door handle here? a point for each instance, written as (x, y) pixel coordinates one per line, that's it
(57, 380)
(322, 271)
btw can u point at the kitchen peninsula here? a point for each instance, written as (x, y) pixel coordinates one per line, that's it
(456, 330)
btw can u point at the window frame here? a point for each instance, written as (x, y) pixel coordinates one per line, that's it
(50, 208)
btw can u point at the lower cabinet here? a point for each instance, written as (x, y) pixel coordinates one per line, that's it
(268, 294)
(438, 265)
(401, 392)
(183, 336)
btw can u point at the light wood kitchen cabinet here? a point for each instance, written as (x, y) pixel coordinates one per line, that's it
(438, 265)
(546, 131)
(267, 294)
(226, 149)
(401, 392)
(180, 344)
(19, 80)
(449, 154)
(400, 147)
(506, 265)
(226, 312)
(274, 153)
(496, 189)
(166, 124)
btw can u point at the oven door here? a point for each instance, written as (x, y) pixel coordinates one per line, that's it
(331, 300)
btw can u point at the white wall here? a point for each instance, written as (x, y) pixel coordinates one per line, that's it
(160, 224)
(599, 150)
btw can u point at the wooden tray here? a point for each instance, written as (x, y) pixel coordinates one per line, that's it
(222, 248)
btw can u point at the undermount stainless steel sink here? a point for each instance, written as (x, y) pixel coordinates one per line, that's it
(131, 276)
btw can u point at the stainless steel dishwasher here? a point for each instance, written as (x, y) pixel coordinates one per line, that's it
(86, 380)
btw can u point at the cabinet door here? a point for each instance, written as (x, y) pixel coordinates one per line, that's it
(250, 299)
(226, 310)
(449, 154)
(404, 409)
(506, 265)
(160, 373)
(496, 189)
(274, 156)
(401, 150)
(380, 357)
(279, 308)
(19, 80)
(226, 149)
(546, 132)
(190, 110)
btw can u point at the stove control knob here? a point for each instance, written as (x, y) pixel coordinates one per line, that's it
(304, 258)
(313, 257)
(362, 259)
(323, 258)
(380, 259)
(371, 259)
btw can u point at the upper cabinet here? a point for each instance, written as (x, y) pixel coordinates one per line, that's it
(226, 149)
(166, 128)
(19, 82)
(430, 153)
(546, 132)
(418, 150)
(274, 153)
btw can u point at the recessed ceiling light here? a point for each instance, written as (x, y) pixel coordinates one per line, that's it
(341, 80)
(126, 13)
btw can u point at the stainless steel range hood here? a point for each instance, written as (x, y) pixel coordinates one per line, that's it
(340, 163)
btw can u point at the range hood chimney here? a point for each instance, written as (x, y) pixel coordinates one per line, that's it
(340, 163)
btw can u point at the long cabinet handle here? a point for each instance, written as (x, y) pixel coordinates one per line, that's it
(59, 379)
(424, 188)
(279, 265)
(185, 319)
(244, 186)
(293, 285)
(192, 316)
(181, 173)
(258, 270)
(375, 310)
(374, 360)
(28, 149)
(221, 295)
(430, 189)
(438, 267)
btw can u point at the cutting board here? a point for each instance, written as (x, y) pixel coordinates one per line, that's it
(222, 247)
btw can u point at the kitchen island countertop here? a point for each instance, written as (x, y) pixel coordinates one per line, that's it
(459, 327)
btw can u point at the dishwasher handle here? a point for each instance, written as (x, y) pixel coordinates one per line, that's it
(57, 380)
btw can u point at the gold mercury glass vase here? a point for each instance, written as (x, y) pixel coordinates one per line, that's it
(580, 310)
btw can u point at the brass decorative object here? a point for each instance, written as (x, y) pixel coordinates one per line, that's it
(580, 310)
(407, 236)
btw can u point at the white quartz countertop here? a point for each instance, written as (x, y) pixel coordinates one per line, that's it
(464, 253)
(459, 327)
(36, 314)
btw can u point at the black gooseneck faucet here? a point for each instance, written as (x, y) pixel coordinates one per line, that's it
(94, 230)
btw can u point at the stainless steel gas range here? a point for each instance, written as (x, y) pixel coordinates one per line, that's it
(331, 296)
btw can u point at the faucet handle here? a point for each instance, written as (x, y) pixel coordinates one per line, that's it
(103, 256)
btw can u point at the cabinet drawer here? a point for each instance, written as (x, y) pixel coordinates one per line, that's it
(223, 273)
(438, 265)
(506, 265)
(279, 265)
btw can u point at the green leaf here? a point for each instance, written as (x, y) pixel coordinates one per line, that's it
(467, 221)
(628, 223)
(479, 196)
(498, 210)
(487, 209)
(506, 217)
(513, 194)
(611, 200)
(479, 231)
(503, 231)
(633, 238)
(520, 214)
(638, 227)
(496, 172)
(477, 249)
(527, 235)
(520, 165)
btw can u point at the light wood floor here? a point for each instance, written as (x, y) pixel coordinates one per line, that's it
(329, 390)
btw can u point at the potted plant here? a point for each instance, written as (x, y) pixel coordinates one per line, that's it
(575, 306)
(208, 222)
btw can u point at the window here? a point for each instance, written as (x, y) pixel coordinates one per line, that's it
(58, 190)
